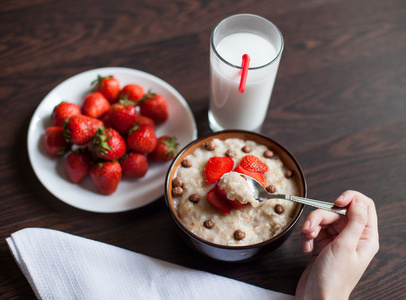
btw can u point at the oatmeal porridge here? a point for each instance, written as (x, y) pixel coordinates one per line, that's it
(237, 189)
(242, 220)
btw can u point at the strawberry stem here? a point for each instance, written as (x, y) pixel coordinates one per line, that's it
(99, 79)
(147, 96)
(172, 144)
(100, 141)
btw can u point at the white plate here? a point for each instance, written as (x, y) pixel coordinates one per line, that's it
(131, 192)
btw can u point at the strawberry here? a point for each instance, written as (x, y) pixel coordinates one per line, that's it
(106, 175)
(232, 202)
(141, 138)
(108, 144)
(106, 120)
(133, 92)
(108, 86)
(95, 105)
(165, 150)
(64, 111)
(134, 164)
(77, 164)
(123, 116)
(145, 120)
(154, 106)
(216, 167)
(55, 142)
(80, 129)
(218, 202)
(253, 163)
(256, 175)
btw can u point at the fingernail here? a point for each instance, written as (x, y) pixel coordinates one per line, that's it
(339, 199)
(307, 246)
(306, 225)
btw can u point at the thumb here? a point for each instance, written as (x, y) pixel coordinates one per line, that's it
(357, 220)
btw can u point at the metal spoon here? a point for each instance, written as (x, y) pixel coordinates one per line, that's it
(261, 194)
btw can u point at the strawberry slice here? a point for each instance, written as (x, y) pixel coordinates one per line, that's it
(233, 203)
(254, 164)
(216, 167)
(218, 202)
(256, 175)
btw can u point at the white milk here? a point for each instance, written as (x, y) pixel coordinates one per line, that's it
(230, 109)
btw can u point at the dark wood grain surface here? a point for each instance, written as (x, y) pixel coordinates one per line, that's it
(339, 105)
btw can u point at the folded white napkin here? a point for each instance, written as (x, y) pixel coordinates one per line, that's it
(63, 266)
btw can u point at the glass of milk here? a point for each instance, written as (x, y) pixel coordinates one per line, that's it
(230, 40)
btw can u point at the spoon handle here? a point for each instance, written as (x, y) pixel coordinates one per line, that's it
(315, 203)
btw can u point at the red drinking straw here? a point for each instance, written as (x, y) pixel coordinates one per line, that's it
(244, 66)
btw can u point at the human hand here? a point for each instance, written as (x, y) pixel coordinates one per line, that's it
(342, 246)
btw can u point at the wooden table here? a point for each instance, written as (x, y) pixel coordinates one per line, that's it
(338, 105)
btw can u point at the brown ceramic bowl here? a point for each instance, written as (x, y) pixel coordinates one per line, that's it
(235, 253)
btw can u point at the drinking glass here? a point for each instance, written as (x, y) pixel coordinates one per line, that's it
(230, 40)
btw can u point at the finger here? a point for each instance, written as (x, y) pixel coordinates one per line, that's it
(357, 220)
(322, 240)
(317, 244)
(345, 198)
(313, 232)
(372, 215)
(307, 244)
(370, 237)
(318, 218)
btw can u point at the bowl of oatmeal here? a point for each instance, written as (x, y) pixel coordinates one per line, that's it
(210, 203)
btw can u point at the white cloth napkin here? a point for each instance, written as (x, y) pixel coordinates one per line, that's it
(63, 266)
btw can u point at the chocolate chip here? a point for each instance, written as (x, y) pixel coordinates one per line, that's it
(209, 145)
(288, 174)
(208, 224)
(279, 209)
(177, 191)
(268, 154)
(239, 235)
(246, 149)
(177, 181)
(271, 188)
(186, 163)
(230, 153)
(194, 198)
